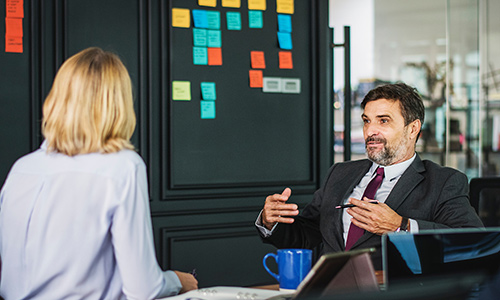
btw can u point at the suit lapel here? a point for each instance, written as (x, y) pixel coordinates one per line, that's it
(408, 181)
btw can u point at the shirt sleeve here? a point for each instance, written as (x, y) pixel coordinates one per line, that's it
(133, 243)
(262, 229)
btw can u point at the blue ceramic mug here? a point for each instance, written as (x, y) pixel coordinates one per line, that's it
(293, 266)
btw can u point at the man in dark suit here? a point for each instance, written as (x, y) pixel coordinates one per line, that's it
(410, 195)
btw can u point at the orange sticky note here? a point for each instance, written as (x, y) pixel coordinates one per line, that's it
(14, 9)
(286, 61)
(256, 78)
(14, 27)
(14, 44)
(258, 60)
(214, 56)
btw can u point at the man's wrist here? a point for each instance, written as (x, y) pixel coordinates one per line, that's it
(405, 225)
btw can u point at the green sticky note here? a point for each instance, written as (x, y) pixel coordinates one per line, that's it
(199, 37)
(181, 90)
(255, 19)
(214, 39)
(207, 109)
(208, 91)
(233, 20)
(200, 56)
(213, 19)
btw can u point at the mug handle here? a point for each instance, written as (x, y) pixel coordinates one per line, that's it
(265, 265)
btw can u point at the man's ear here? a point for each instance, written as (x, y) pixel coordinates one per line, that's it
(414, 128)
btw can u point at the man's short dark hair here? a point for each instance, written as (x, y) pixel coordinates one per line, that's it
(412, 106)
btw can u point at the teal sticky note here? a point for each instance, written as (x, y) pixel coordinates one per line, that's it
(284, 23)
(199, 37)
(285, 40)
(214, 39)
(207, 109)
(213, 18)
(200, 56)
(200, 18)
(255, 19)
(208, 91)
(233, 20)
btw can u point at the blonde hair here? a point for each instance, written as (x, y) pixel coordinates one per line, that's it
(90, 107)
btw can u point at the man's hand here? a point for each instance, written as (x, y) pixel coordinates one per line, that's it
(277, 210)
(376, 218)
(188, 282)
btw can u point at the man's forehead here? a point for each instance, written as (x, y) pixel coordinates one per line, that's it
(382, 107)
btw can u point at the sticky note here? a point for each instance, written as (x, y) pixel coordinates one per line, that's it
(13, 44)
(200, 56)
(208, 91)
(257, 59)
(181, 90)
(271, 85)
(290, 85)
(207, 109)
(285, 23)
(255, 19)
(285, 6)
(199, 37)
(255, 78)
(181, 18)
(231, 3)
(285, 40)
(214, 56)
(285, 58)
(214, 39)
(14, 27)
(213, 18)
(14, 9)
(233, 20)
(257, 4)
(211, 3)
(200, 18)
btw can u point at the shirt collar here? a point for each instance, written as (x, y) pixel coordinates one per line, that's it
(393, 171)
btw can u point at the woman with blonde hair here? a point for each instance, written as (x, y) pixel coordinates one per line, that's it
(74, 215)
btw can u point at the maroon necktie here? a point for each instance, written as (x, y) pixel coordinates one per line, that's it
(354, 231)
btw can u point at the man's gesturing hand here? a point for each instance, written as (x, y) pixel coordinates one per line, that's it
(276, 210)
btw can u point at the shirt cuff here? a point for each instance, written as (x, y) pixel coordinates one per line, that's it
(262, 229)
(171, 285)
(413, 226)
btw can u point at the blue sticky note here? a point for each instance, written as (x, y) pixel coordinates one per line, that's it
(285, 40)
(255, 19)
(214, 38)
(200, 56)
(200, 18)
(207, 109)
(233, 20)
(213, 18)
(199, 37)
(208, 91)
(284, 23)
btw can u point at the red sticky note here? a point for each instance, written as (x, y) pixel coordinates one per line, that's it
(258, 60)
(14, 27)
(14, 44)
(256, 78)
(214, 56)
(14, 9)
(286, 61)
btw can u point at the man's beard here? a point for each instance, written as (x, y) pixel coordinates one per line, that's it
(388, 155)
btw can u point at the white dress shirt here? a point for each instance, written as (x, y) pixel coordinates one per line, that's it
(79, 228)
(391, 176)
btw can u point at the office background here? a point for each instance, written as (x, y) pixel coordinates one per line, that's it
(203, 216)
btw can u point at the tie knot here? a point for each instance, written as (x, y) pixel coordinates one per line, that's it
(380, 171)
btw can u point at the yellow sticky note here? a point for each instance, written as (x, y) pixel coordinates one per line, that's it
(181, 17)
(257, 4)
(181, 90)
(211, 3)
(285, 6)
(231, 3)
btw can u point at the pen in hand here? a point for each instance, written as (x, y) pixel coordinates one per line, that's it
(352, 205)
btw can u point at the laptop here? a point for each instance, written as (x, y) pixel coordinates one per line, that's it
(336, 273)
(414, 258)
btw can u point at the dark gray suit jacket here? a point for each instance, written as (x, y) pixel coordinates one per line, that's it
(434, 196)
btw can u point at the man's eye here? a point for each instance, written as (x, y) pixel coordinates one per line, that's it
(384, 121)
(366, 121)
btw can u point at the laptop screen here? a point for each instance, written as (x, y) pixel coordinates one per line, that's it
(440, 252)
